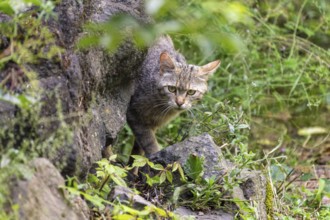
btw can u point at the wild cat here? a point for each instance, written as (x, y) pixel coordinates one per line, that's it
(166, 87)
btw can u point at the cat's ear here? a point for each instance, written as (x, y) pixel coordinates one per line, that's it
(166, 62)
(208, 69)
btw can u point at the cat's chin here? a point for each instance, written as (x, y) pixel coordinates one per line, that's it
(180, 109)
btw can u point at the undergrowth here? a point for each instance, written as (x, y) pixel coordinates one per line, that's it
(267, 108)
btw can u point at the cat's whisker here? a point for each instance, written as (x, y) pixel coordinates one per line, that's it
(159, 104)
(164, 109)
(159, 107)
(159, 111)
(164, 113)
(191, 113)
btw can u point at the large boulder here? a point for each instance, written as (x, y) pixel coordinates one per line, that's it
(99, 84)
(93, 86)
(39, 196)
(201, 146)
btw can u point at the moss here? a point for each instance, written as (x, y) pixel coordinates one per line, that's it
(269, 201)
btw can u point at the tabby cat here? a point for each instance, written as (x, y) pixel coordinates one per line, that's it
(166, 87)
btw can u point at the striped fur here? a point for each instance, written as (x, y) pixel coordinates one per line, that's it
(166, 87)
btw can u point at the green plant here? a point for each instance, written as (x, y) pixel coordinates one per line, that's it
(99, 185)
(164, 173)
(200, 193)
(175, 17)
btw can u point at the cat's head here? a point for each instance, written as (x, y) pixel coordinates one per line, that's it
(182, 83)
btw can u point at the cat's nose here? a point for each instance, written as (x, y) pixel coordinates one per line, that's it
(179, 101)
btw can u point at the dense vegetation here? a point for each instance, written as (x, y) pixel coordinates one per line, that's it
(269, 102)
(268, 105)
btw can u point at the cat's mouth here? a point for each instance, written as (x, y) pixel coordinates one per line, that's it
(180, 108)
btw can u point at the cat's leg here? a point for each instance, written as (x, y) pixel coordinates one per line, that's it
(137, 150)
(145, 143)
(145, 140)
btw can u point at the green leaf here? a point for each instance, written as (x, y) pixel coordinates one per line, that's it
(169, 176)
(23, 101)
(25, 171)
(157, 167)
(162, 177)
(120, 171)
(6, 8)
(139, 161)
(279, 173)
(130, 210)
(235, 172)
(194, 167)
(306, 176)
(119, 181)
(320, 190)
(176, 193)
(183, 177)
(291, 63)
(160, 211)
(95, 199)
(123, 217)
(151, 164)
(175, 166)
(243, 126)
(113, 157)
(34, 2)
(152, 180)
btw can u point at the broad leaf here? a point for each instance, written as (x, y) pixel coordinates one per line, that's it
(194, 167)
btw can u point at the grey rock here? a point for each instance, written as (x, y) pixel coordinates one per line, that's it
(201, 146)
(126, 195)
(105, 82)
(105, 9)
(185, 213)
(39, 196)
(93, 86)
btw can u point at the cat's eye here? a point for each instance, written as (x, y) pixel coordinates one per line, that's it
(171, 89)
(191, 92)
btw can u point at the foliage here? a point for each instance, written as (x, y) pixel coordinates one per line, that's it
(176, 18)
(194, 167)
(199, 193)
(164, 173)
(26, 39)
(99, 185)
(193, 190)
